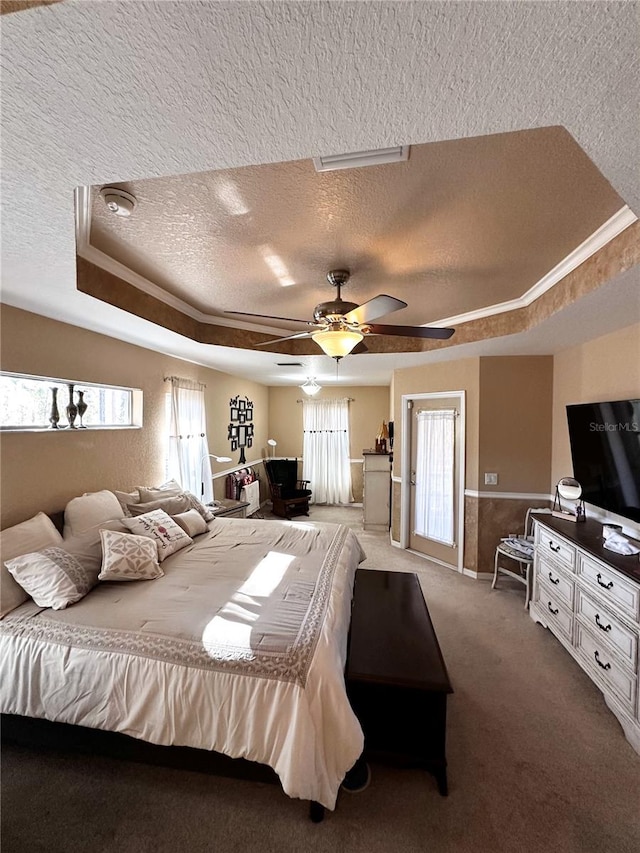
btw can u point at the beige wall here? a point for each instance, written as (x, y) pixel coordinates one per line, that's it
(607, 368)
(43, 470)
(508, 432)
(515, 423)
(369, 407)
(461, 375)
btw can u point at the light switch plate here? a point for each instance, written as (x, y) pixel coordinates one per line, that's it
(491, 479)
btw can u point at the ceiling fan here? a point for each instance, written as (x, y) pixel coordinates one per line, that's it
(340, 326)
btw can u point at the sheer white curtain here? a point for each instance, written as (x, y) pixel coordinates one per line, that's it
(326, 450)
(188, 437)
(435, 486)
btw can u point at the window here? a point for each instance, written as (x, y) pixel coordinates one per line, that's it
(326, 450)
(27, 403)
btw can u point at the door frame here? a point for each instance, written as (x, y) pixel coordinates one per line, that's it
(405, 487)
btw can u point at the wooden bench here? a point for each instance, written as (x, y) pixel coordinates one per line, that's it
(397, 681)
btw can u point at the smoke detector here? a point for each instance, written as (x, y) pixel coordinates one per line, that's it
(118, 201)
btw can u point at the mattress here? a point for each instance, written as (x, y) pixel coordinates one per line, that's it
(240, 648)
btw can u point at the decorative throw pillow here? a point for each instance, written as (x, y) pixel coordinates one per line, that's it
(191, 522)
(52, 577)
(126, 557)
(24, 538)
(172, 506)
(90, 510)
(197, 504)
(159, 526)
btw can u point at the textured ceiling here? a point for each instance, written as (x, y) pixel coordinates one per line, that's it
(460, 226)
(123, 91)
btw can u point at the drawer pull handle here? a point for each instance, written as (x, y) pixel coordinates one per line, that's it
(551, 610)
(603, 585)
(600, 625)
(556, 581)
(556, 549)
(599, 662)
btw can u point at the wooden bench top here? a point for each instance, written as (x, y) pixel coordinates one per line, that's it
(392, 640)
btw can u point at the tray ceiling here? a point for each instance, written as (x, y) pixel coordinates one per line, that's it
(460, 226)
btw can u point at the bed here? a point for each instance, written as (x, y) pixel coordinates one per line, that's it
(239, 648)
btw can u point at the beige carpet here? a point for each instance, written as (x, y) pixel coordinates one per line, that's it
(536, 761)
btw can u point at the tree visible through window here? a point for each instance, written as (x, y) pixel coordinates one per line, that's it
(26, 403)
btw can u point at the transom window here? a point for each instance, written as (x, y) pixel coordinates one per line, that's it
(27, 403)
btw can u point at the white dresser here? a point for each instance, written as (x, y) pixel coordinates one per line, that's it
(589, 598)
(376, 499)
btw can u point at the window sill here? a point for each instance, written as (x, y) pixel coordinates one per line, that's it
(11, 430)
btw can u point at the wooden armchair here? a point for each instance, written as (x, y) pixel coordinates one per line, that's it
(289, 495)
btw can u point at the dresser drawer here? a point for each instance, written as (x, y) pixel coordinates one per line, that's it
(610, 585)
(556, 614)
(561, 584)
(555, 548)
(603, 666)
(606, 626)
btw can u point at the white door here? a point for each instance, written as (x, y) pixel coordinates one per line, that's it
(435, 440)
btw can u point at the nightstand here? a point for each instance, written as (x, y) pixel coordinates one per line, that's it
(229, 508)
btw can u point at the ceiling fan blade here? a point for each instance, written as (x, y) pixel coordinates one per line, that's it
(288, 338)
(359, 348)
(376, 307)
(411, 331)
(270, 317)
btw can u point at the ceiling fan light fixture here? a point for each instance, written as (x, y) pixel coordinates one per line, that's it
(376, 157)
(337, 343)
(311, 387)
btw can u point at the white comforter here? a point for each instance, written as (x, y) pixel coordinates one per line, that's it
(240, 648)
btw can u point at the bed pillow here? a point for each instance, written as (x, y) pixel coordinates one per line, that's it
(126, 557)
(87, 547)
(172, 506)
(191, 522)
(148, 493)
(32, 535)
(197, 504)
(90, 510)
(127, 498)
(172, 489)
(52, 577)
(159, 526)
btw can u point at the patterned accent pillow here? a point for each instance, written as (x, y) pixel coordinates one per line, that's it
(126, 557)
(24, 538)
(157, 525)
(52, 577)
(197, 504)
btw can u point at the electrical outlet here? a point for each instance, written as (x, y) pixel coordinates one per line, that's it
(491, 479)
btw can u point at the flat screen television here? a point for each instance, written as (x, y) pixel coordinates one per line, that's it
(605, 450)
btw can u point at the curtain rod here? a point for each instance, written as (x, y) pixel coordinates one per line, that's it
(344, 399)
(184, 379)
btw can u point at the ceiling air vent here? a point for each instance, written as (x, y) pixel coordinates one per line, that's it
(289, 364)
(397, 154)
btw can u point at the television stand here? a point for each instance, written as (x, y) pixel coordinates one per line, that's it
(589, 598)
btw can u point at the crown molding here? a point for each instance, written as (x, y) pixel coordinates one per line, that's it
(607, 232)
(120, 270)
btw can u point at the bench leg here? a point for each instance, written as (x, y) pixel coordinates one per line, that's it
(443, 785)
(316, 812)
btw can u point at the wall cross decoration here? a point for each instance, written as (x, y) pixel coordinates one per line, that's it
(241, 426)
